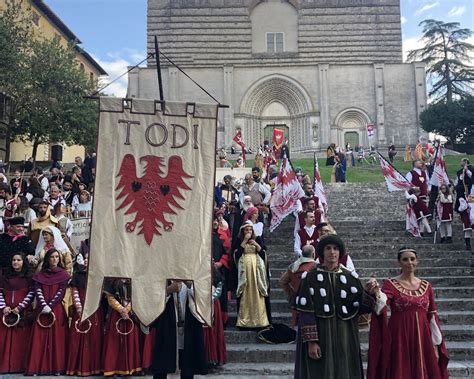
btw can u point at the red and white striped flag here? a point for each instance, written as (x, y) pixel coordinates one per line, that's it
(439, 176)
(318, 186)
(286, 194)
(411, 222)
(395, 181)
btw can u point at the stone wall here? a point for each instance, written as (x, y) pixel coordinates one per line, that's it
(218, 32)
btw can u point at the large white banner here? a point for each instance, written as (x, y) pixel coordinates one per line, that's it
(153, 201)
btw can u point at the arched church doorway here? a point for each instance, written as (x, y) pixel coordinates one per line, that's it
(351, 138)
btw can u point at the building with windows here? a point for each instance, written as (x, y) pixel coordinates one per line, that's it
(47, 24)
(320, 69)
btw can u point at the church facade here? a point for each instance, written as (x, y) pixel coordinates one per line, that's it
(322, 70)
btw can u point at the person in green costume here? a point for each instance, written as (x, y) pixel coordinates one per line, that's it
(329, 300)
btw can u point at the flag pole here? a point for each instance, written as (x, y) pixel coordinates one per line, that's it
(158, 72)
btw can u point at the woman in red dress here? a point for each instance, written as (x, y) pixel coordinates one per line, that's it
(122, 333)
(16, 294)
(47, 353)
(85, 339)
(410, 345)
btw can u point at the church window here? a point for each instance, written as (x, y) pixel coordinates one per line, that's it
(275, 43)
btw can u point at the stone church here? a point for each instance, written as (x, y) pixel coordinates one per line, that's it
(322, 70)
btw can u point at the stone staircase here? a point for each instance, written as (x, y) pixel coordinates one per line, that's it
(371, 222)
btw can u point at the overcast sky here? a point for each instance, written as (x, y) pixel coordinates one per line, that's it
(114, 31)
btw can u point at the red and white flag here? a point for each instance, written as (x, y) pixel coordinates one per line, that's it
(370, 131)
(439, 176)
(395, 181)
(318, 186)
(411, 222)
(238, 140)
(286, 194)
(278, 135)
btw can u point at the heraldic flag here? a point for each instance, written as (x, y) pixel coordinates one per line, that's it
(153, 202)
(286, 194)
(395, 181)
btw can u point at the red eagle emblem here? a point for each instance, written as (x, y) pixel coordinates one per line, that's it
(153, 195)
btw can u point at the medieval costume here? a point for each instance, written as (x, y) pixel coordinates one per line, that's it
(16, 293)
(307, 234)
(220, 254)
(18, 185)
(331, 154)
(464, 210)
(47, 353)
(444, 206)
(290, 282)
(404, 347)
(407, 156)
(57, 243)
(179, 338)
(253, 302)
(11, 243)
(214, 339)
(38, 224)
(328, 303)
(85, 339)
(121, 354)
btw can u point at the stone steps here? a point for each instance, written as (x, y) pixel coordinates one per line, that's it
(456, 317)
(467, 304)
(440, 292)
(259, 352)
(450, 332)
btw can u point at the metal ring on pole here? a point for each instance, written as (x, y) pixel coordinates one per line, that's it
(77, 323)
(5, 322)
(127, 332)
(53, 320)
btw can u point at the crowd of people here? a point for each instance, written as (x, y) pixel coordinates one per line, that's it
(43, 283)
(426, 202)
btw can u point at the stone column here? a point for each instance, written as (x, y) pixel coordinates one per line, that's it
(420, 93)
(380, 103)
(228, 125)
(325, 127)
(173, 88)
(133, 89)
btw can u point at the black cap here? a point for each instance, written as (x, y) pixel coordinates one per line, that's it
(331, 240)
(17, 221)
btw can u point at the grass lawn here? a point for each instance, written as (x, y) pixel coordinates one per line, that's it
(368, 173)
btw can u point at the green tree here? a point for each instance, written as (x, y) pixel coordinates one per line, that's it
(15, 37)
(446, 54)
(454, 120)
(45, 86)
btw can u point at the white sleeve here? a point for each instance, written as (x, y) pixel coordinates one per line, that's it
(380, 303)
(69, 228)
(44, 184)
(409, 177)
(241, 198)
(469, 173)
(266, 193)
(436, 336)
(297, 247)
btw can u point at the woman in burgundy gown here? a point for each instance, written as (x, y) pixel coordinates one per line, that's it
(121, 353)
(47, 353)
(85, 339)
(410, 345)
(16, 294)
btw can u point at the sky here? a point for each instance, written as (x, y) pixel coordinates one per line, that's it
(114, 31)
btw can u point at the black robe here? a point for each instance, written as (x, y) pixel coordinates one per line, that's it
(8, 248)
(192, 360)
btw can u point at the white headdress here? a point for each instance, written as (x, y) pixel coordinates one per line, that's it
(59, 243)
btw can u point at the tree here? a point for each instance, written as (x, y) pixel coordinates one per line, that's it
(56, 110)
(15, 37)
(45, 86)
(454, 120)
(446, 55)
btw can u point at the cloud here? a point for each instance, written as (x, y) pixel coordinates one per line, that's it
(411, 44)
(457, 11)
(403, 20)
(116, 64)
(426, 7)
